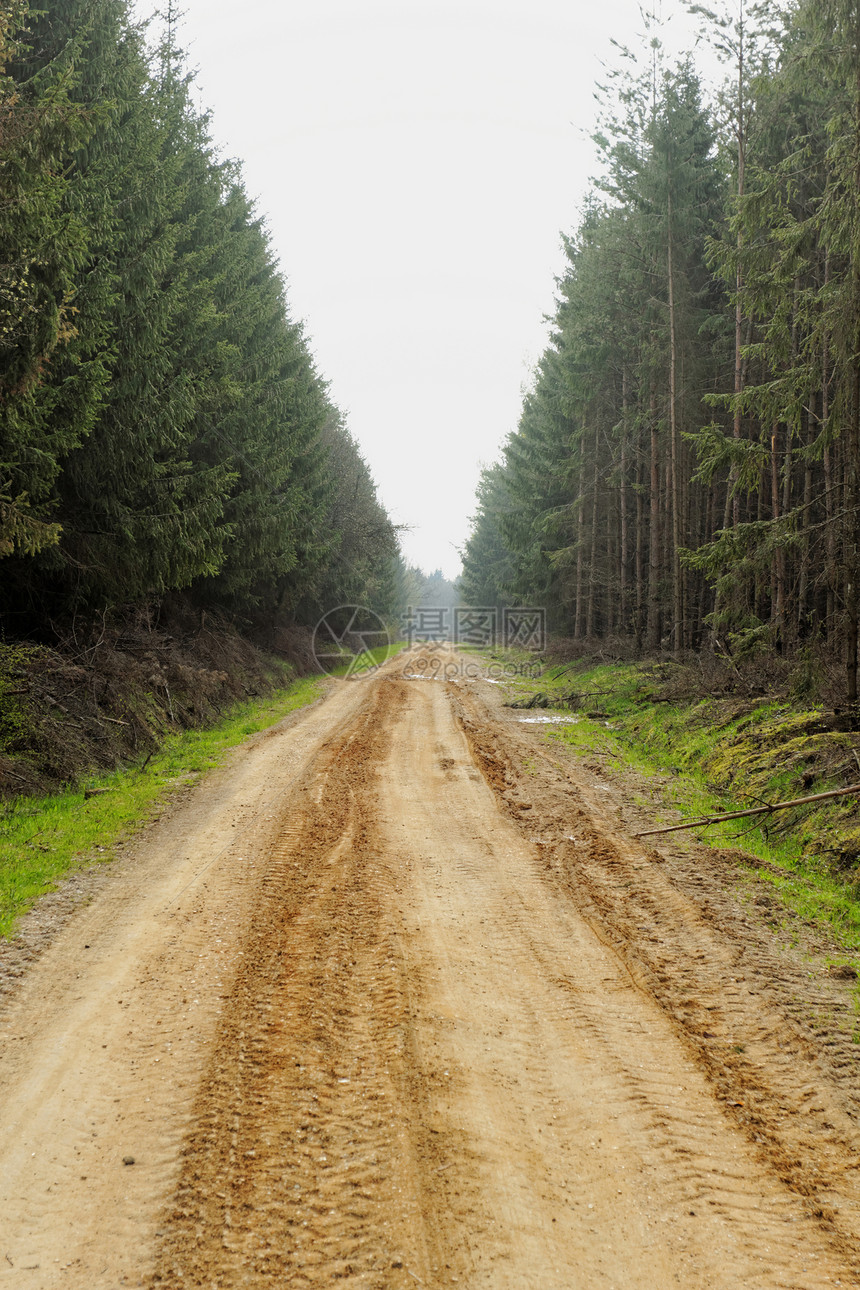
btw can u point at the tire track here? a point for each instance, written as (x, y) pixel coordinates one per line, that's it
(577, 1142)
(103, 1041)
(301, 1170)
(798, 1113)
(446, 1036)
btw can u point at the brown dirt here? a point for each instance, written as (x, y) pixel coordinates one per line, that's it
(396, 999)
(108, 693)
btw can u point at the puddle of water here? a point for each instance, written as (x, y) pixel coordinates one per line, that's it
(420, 676)
(548, 718)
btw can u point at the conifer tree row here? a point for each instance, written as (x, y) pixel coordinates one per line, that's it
(686, 470)
(162, 423)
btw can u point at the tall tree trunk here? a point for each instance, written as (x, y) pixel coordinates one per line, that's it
(829, 488)
(852, 473)
(777, 606)
(592, 559)
(739, 279)
(674, 450)
(607, 585)
(654, 606)
(579, 617)
(803, 582)
(732, 507)
(852, 552)
(639, 625)
(760, 590)
(624, 553)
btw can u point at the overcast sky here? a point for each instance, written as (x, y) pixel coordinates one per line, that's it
(416, 161)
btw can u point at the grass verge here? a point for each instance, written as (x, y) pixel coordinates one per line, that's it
(42, 839)
(707, 756)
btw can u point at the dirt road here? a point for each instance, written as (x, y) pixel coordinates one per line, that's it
(396, 999)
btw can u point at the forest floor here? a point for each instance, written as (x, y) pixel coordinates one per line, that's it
(396, 997)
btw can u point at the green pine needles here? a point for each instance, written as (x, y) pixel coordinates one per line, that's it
(163, 426)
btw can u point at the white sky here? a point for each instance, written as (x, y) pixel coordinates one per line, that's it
(416, 161)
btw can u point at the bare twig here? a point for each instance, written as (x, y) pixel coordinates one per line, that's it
(736, 837)
(755, 810)
(93, 649)
(23, 778)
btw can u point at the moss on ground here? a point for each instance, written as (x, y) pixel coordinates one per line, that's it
(722, 754)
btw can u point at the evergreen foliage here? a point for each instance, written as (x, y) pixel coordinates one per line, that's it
(42, 248)
(163, 426)
(686, 471)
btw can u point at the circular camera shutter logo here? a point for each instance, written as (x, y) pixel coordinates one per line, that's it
(345, 640)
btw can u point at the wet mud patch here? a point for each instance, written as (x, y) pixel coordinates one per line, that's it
(767, 1021)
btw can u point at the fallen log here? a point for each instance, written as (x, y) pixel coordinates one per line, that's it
(754, 810)
(583, 694)
(539, 700)
(543, 700)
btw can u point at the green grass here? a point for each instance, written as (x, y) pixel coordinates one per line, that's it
(367, 662)
(707, 757)
(42, 839)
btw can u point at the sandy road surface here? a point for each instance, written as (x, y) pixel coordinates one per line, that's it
(394, 1000)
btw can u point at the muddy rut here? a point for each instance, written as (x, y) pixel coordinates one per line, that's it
(397, 999)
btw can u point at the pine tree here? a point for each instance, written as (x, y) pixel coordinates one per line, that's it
(487, 562)
(141, 516)
(42, 248)
(359, 568)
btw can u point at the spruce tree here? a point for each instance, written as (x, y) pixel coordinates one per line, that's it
(43, 244)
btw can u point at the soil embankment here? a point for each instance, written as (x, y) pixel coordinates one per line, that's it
(109, 696)
(396, 999)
